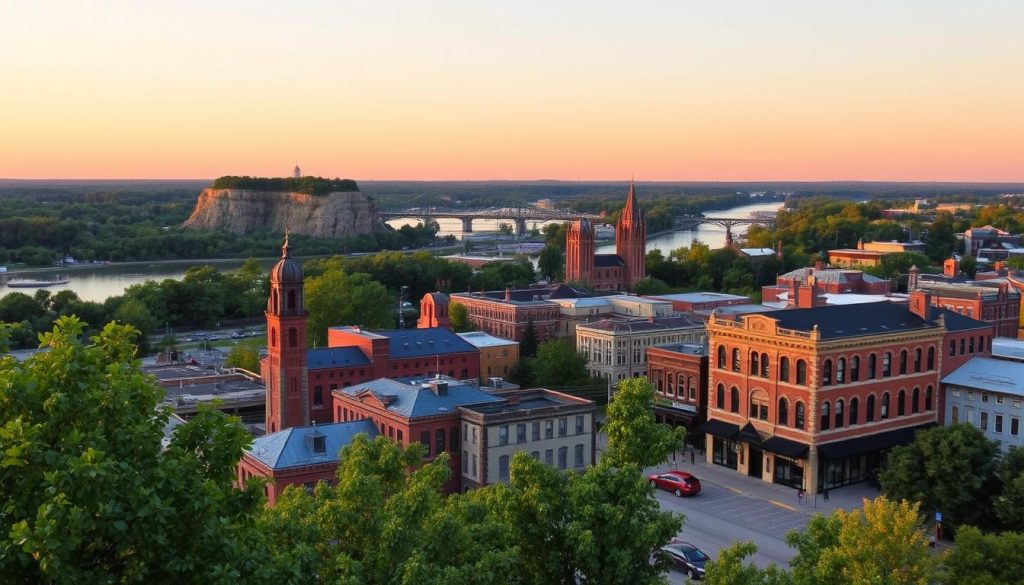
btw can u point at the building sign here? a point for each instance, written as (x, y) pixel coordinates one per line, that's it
(684, 407)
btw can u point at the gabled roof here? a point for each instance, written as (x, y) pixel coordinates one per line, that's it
(957, 322)
(608, 260)
(408, 343)
(293, 447)
(413, 400)
(989, 374)
(335, 357)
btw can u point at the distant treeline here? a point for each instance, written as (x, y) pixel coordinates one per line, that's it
(307, 185)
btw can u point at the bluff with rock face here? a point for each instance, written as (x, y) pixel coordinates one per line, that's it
(240, 211)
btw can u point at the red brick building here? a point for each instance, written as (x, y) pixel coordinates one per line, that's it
(825, 281)
(415, 410)
(506, 313)
(994, 302)
(619, 271)
(679, 373)
(298, 455)
(815, 397)
(434, 311)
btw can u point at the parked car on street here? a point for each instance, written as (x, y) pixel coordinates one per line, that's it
(680, 483)
(686, 558)
(213, 338)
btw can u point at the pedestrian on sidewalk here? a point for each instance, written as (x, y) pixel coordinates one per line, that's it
(825, 494)
(799, 496)
(693, 456)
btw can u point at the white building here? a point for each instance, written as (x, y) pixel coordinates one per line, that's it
(989, 394)
(618, 349)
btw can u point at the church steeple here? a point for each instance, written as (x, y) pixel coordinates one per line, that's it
(284, 370)
(631, 239)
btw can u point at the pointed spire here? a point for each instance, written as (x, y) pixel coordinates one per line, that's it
(286, 250)
(632, 209)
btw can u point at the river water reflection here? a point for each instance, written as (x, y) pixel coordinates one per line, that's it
(97, 283)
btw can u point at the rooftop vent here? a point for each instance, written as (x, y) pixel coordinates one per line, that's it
(439, 387)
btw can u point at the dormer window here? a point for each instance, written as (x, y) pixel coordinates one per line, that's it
(317, 442)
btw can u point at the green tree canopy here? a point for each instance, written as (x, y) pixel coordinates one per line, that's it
(985, 559)
(635, 438)
(557, 363)
(337, 298)
(458, 316)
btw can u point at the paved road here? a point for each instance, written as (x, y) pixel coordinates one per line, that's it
(718, 517)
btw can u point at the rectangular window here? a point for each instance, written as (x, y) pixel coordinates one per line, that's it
(465, 459)
(438, 441)
(472, 468)
(579, 424)
(1000, 399)
(473, 434)
(984, 396)
(955, 416)
(579, 456)
(536, 431)
(563, 426)
(969, 415)
(956, 393)
(318, 396)
(1014, 426)
(970, 395)
(521, 433)
(984, 421)
(999, 423)
(563, 457)
(425, 439)
(549, 456)
(503, 435)
(503, 467)
(549, 429)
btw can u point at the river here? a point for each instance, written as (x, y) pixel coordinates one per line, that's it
(98, 282)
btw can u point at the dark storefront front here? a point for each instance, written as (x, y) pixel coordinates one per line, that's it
(790, 458)
(680, 414)
(724, 447)
(854, 460)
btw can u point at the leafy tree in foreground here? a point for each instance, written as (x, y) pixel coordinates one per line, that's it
(551, 262)
(88, 495)
(558, 364)
(634, 436)
(949, 469)
(883, 543)
(1009, 505)
(729, 568)
(337, 298)
(985, 559)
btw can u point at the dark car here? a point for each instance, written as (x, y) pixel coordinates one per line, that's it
(686, 558)
(678, 482)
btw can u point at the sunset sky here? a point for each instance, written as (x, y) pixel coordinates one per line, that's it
(674, 90)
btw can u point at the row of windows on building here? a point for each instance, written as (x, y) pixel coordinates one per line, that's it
(293, 337)
(433, 449)
(840, 371)
(969, 346)
(549, 430)
(982, 422)
(472, 468)
(984, 396)
(837, 414)
(676, 386)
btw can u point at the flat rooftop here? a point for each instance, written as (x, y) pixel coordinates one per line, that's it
(527, 400)
(687, 348)
(481, 339)
(204, 391)
(700, 297)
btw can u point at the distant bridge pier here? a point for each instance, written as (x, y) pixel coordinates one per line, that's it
(520, 225)
(467, 225)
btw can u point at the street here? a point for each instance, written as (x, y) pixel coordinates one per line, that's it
(718, 517)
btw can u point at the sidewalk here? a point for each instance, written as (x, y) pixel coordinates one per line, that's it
(846, 498)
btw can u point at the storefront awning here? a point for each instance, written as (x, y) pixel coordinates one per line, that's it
(720, 429)
(785, 447)
(870, 443)
(750, 435)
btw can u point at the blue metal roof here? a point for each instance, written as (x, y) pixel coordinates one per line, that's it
(411, 343)
(335, 357)
(293, 447)
(414, 400)
(989, 374)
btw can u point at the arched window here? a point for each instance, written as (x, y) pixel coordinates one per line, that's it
(736, 360)
(754, 363)
(869, 414)
(901, 403)
(764, 365)
(824, 416)
(887, 365)
(293, 337)
(721, 357)
(855, 368)
(917, 360)
(734, 399)
(720, 397)
(931, 358)
(839, 414)
(872, 363)
(273, 337)
(928, 398)
(801, 372)
(840, 370)
(691, 388)
(854, 403)
(903, 362)
(291, 300)
(826, 373)
(884, 414)
(668, 385)
(915, 405)
(759, 405)
(783, 412)
(784, 369)
(273, 301)
(798, 421)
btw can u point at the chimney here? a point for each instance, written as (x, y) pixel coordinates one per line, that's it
(951, 267)
(920, 303)
(807, 297)
(914, 278)
(508, 294)
(794, 290)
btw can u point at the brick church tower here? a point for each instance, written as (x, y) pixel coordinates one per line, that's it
(579, 252)
(284, 368)
(631, 240)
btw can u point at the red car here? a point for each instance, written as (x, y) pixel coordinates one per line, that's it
(678, 482)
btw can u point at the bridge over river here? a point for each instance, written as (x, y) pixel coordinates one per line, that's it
(517, 215)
